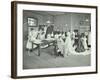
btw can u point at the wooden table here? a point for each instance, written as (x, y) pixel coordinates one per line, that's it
(47, 42)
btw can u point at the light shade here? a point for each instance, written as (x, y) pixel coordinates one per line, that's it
(48, 21)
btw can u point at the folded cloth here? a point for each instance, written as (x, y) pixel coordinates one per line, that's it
(44, 46)
(38, 41)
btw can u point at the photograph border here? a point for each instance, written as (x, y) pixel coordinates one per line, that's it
(14, 37)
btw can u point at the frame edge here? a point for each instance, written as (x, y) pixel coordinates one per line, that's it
(14, 37)
(13, 40)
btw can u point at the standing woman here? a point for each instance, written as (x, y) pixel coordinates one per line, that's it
(68, 44)
(49, 30)
(29, 43)
(31, 37)
(41, 34)
(85, 42)
(73, 38)
(76, 37)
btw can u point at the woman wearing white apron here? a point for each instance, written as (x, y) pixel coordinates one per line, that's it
(31, 38)
(41, 37)
(61, 46)
(68, 45)
(56, 36)
(29, 43)
(73, 38)
(85, 43)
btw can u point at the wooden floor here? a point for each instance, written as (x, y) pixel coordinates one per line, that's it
(47, 59)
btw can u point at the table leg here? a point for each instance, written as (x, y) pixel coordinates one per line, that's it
(55, 48)
(38, 50)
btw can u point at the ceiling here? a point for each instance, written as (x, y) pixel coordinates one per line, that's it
(52, 13)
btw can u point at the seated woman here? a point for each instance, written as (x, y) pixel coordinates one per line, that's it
(61, 46)
(80, 46)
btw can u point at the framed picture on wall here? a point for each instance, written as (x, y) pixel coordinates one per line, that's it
(69, 49)
(32, 22)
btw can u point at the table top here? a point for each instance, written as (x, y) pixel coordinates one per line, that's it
(45, 40)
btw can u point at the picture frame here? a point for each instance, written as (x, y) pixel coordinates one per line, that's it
(25, 9)
(32, 22)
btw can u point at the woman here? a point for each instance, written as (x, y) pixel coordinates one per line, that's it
(85, 42)
(63, 35)
(73, 38)
(49, 30)
(69, 49)
(31, 38)
(80, 46)
(29, 43)
(61, 46)
(41, 34)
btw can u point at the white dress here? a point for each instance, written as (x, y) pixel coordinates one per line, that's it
(56, 36)
(63, 36)
(84, 43)
(73, 38)
(45, 29)
(42, 36)
(49, 36)
(61, 45)
(89, 38)
(29, 43)
(69, 49)
(60, 35)
(52, 35)
(31, 38)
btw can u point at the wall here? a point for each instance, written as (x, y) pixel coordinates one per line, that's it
(5, 41)
(42, 18)
(27, 14)
(75, 21)
(72, 20)
(60, 22)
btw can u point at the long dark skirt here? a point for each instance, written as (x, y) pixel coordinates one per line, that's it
(80, 47)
